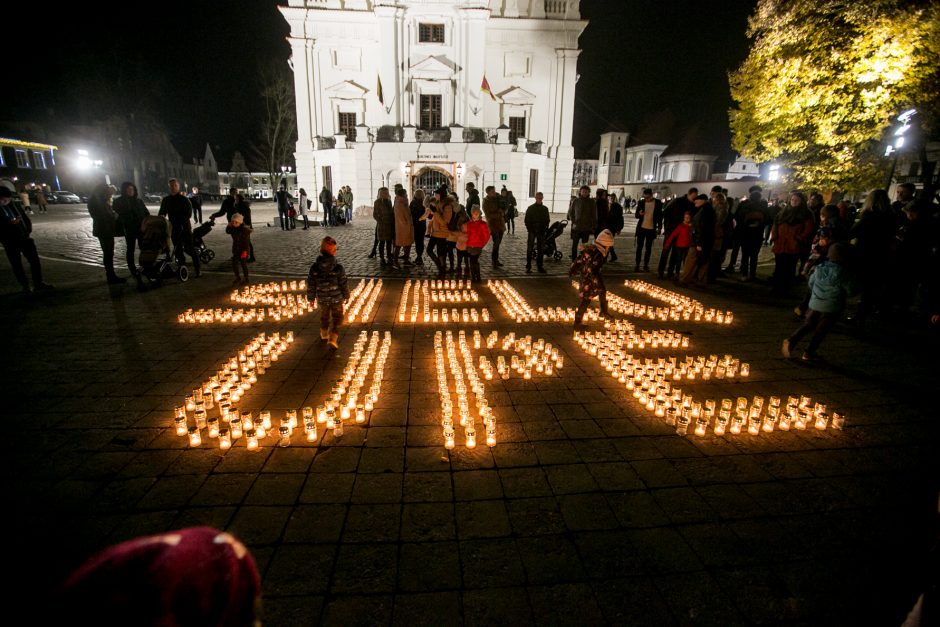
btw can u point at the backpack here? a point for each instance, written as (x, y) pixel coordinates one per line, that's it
(455, 220)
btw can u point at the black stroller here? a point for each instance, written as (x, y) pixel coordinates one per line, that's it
(550, 246)
(156, 257)
(205, 253)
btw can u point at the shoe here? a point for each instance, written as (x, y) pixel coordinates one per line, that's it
(371, 255)
(27, 289)
(497, 263)
(44, 287)
(407, 262)
(811, 357)
(607, 315)
(785, 348)
(745, 279)
(528, 269)
(661, 275)
(237, 281)
(419, 261)
(580, 326)
(245, 282)
(324, 335)
(543, 270)
(798, 311)
(383, 263)
(197, 275)
(729, 269)
(333, 343)
(116, 280)
(636, 268)
(613, 258)
(646, 268)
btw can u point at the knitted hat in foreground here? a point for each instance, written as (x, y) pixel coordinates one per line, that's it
(198, 576)
(604, 239)
(328, 246)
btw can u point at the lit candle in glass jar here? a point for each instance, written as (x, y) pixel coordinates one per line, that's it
(292, 417)
(251, 438)
(236, 424)
(182, 428)
(838, 420)
(213, 424)
(822, 420)
(195, 439)
(225, 439)
(283, 436)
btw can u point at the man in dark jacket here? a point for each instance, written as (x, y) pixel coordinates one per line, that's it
(649, 215)
(326, 200)
(327, 286)
(673, 215)
(582, 215)
(495, 220)
(473, 197)
(131, 211)
(228, 208)
(195, 199)
(750, 219)
(284, 206)
(15, 227)
(703, 240)
(536, 223)
(179, 212)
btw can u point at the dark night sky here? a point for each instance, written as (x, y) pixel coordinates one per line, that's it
(645, 65)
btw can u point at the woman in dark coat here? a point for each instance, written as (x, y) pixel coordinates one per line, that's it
(614, 223)
(104, 227)
(384, 215)
(131, 211)
(420, 223)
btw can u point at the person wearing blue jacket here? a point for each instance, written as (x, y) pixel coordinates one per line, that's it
(830, 285)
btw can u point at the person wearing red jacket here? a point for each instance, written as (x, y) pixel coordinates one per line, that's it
(676, 246)
(478, 234)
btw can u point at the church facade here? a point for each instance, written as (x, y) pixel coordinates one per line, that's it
(432, 92)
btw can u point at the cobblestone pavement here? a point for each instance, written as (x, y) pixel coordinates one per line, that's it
(589, 510)
(65, 233)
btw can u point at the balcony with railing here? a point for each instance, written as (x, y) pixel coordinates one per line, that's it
(411, 135)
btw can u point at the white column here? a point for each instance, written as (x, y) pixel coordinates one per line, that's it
(388, 64)
(474, 66)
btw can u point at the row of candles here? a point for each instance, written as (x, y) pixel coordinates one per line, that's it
(362, 300)
(650, 384)
(226, 387)
(267, 293)
(512, 301)
(286, 308)
(465, 380)
(343, 404)
(423, 293)
(680, 307)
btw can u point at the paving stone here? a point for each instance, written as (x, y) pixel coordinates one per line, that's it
(497, 606)
(315, 523)
(357, 610)
(362, 568)
(432, 609)
(300, 569)
(372, 523)
(429, 566)
(491, 562)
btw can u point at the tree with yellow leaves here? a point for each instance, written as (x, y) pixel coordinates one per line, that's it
(825, 79)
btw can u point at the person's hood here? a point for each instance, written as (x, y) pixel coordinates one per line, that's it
(325, 262)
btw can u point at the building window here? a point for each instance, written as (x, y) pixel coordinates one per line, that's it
(328, 178)
(639, 169)
(617, 158)
(430, 112)
(39, 161)
(3, 161)
(21, 160)
(604, 160)
(347, 125)
(431, 33)
(516, 128)
(533, 182)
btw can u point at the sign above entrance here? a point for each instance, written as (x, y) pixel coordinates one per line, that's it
(431, 156)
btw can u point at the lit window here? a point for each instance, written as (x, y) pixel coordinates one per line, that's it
(21, 160)
(431, 33)
(430, 112)
(39, 161)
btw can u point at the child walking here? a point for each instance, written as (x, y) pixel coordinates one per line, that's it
(830, 286)
(587, 270)
(241, 247)
(676, 246)
(827, 234)
(478, 234)
(326, 285)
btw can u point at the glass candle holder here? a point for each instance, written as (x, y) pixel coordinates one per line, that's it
(213, 426)
(338, 427)
(225, 439)
(822, 420)
(283, 436)
(682, 424)
(195, 439)
(236, 426)
(701, 425)
(838, 420)
(182, 428)
(471, 436)
(251, 439)
(292, 417)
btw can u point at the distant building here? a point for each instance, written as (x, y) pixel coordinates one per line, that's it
(27, 164)
(252, 183)
(585, 172)
(426, 93)
(741, 168)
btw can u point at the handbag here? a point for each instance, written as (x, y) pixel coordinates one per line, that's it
(291, 212)
(118, 227)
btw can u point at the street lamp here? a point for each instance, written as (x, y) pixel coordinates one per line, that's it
(893, 148)
(285, 172)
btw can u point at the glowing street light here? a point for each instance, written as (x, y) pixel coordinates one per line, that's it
(893, 148)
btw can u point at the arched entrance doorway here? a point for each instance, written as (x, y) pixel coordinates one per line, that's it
(430, 179)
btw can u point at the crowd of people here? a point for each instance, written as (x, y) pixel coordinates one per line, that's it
(891, 252)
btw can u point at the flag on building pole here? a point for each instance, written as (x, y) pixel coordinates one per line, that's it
(485, 88)
(378, 90)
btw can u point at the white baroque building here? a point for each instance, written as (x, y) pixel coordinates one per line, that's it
(391, 91)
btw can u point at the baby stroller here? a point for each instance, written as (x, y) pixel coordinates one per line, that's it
(205, 253)
(550, 247)
(156, 259)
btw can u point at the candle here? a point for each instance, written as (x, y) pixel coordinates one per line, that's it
(284, 436)
(225, 439)
(194, 438)
(822, 419)
(838, 420)
(182, 428)
(251, 439)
